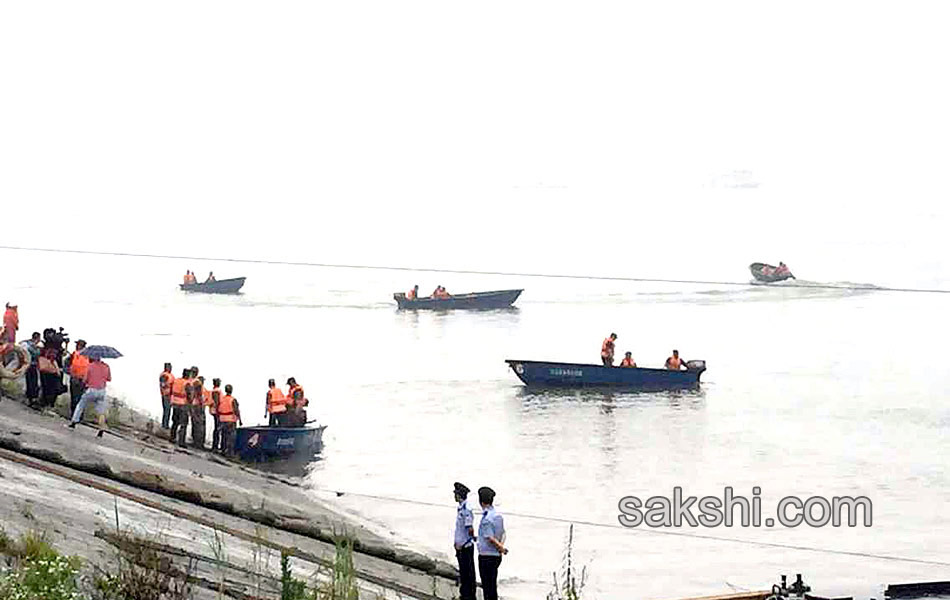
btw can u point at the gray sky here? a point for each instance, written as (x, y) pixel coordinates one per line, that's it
(420, 132)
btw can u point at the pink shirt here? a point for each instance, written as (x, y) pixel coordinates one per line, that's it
(97, 375)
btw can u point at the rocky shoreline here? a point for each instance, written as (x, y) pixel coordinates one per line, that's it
(191, 488)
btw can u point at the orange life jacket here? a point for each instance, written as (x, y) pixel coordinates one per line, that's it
(607, 348)
(297, 402)
(411, 295)
(213, 395)
(205, 399)
(276, 403)
(165, 381)
(179, 397)
(78, 365)
(674, 363)
(627, 362)
(226, 412)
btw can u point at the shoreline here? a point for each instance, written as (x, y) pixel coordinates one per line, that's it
(145, 468)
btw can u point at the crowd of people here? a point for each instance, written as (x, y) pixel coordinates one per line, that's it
(608, 347)
(186, 400)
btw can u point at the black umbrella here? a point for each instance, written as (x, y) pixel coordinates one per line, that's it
(101, 352)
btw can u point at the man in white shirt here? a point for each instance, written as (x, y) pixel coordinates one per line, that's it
(491, 538)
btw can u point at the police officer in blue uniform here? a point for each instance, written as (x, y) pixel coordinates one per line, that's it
(465, 543)
(491, 543)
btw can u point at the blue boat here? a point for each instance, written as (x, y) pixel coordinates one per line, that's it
(476, 300)
(558, 374)
(221, 286)
(262, 444)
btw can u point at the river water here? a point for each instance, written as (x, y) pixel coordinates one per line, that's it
(809, 391)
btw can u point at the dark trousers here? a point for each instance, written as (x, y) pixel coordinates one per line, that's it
(179, 424)
(466, 558)
(227, 438)
(76, 388)
(198, 425)
(166, 410)
(32, 383)
(607, 360)
(52, 388)
(273, 420)
(216, 436)
(488, 571)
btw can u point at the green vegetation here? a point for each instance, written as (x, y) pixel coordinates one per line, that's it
(570, 584)
(36, 571)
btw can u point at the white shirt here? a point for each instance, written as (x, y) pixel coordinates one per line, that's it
(463, 522)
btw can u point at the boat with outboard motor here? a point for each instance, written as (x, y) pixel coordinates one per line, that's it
(770, 274)
(559, 374)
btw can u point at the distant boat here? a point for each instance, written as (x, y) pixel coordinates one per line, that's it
(262, 444)
(766, 273)
(557, 374)
(476, 300)
(220, 286)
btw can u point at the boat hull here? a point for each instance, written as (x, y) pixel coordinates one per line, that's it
(260, 444)
(757, 271)
(222, 286)
(475, 301)
(557, 374)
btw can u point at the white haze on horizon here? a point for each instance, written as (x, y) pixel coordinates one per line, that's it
(548, 136)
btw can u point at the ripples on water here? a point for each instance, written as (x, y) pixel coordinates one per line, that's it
(810, 390)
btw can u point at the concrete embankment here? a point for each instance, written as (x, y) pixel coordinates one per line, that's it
(188, 503)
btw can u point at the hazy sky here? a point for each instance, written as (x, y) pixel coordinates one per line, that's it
(419, 132)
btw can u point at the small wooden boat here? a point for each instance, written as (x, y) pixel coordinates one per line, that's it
(262, 443)
(476, 300)
(557, 374)
(221, 286)
(767, 273)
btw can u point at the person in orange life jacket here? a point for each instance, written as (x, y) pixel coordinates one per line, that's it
(214, 399)
(198, 399)
(628, 361)
(78, 365)
(180, 411)
(165, 381)
(607, 350)
(11, 323)
(437, 291)
(210, 278)
(276, 406)
(296, 404)
(413, 293)
(675, 363)
(230, 416)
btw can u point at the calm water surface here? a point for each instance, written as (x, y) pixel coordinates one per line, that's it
(808, 392)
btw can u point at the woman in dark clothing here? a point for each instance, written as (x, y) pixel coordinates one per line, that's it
(33, 373)
(51, 376)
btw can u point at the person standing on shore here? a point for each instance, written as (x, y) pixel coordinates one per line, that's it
(165, 381)
(32, 346)
(97, 375)
(464, 543)
(214, 400)
(198, 393)
(51, 376)
(180, 409)
(230, 415)
(11, 322)
(78, 365)
(491, 538)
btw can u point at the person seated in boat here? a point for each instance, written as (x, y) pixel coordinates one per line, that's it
(628, 361)
(413, 293)
(187, 277)
(297, 403)
(444, 294)
(607, 350)
(675, 363)
(210, 278)
(782, 269)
